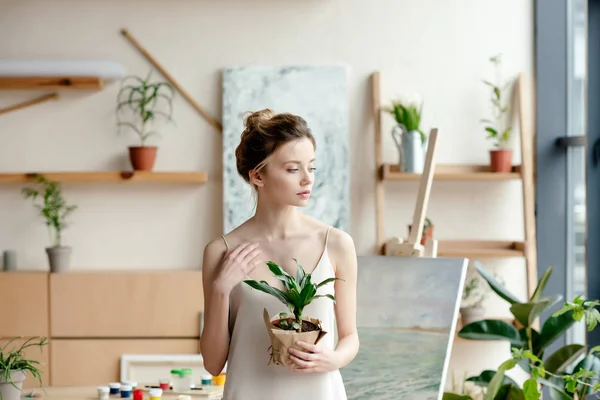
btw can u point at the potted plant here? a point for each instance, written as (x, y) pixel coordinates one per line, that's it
(474, 293)
(499, 128)
(408, 135)
(14, 367)
(285, 329)
(143, 99)
(427, 231)
(54, 210)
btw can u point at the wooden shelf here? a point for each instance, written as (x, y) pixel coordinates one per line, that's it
(111, 176)
(451, 173)
(51, 83)
(480, 249)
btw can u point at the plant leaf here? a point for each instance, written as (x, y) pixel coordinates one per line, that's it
(265, 287)
(530, 389)
(486, 376)
(537, 294)
(326, 281)
(563, 357)
(496, 382)
(495, 285)
(554, 327)
(526, 313)
(453, 396)
(490, 329)
(300, 274)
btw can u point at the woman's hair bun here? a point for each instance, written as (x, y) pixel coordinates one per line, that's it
(254, 121)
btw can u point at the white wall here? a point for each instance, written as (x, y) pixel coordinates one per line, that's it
(439, 49)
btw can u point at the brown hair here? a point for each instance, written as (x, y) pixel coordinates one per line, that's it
(264, 133)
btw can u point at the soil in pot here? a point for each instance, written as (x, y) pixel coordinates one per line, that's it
(142, 157)
(501, 160)
(10, 392)
(307, 326)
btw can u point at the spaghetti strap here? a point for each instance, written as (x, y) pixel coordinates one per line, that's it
(327, 236)
(225, 240)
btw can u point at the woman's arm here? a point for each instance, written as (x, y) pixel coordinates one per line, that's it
(345, 260)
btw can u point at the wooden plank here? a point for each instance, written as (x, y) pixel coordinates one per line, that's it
(82, 362)
(110, 176)
(479, 249)
(378, 147)
(126, 304)
(445, 172)
(25, 299)
(32, 353)
(29, 103)
(51, 82)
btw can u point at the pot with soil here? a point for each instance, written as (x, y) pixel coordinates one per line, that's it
(286, 329)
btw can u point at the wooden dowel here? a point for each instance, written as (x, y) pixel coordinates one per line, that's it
(37, 100)
(184, 93)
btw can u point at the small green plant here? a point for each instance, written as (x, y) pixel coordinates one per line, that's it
(475, 290)
(54, 208)
(297, 294)
(142, 98)
(498, 128)
(14, 359)
(407, 116)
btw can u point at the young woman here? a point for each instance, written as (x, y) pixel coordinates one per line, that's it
(277, 157)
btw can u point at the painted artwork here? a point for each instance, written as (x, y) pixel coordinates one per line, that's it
(406, 316)
(316, 93)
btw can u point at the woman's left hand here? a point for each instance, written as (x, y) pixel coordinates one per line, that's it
(313, 358)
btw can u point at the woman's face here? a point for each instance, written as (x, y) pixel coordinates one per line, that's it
(288, 177)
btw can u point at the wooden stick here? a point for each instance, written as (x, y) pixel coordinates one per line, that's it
(379, 196)
(28, 103)
(172, 80)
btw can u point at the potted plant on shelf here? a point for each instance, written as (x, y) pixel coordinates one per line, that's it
(14, 367)
(475, 292)
(54, 210)
(143, 99)
(408, 135)
(427, 231)
(499, 128)
(285, 329)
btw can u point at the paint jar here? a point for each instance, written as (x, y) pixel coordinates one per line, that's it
(103, 392)
(164, 384)
(133, 384)
(206, 379)
(219, 380)
(114, 387)
(181, 379)
(138, 394)
(125, 391)
(155, 394)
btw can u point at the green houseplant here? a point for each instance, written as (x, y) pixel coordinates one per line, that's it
(55, 210)
(571, 372)
(143, 99)
(475, 292)
(14, 367)
(498, 128)
(408, 135)
(285, 329)
(428, 230)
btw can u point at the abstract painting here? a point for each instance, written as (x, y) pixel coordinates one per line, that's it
(316, 93)
(406, 316)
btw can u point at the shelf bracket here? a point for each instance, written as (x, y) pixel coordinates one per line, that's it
(28, 103)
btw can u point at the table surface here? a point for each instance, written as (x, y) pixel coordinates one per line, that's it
(91, 393)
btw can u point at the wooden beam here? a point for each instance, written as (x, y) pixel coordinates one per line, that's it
(375, 88)
(51, 82)
(110, 176)
(28, 103)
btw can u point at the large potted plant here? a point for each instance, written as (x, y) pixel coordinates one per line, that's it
(285, 329)
(55, 210)
(143, 99)
(498, 128)
(14, 367)
(569, 372)
(408, 135)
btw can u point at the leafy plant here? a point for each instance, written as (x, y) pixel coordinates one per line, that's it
(54, 208)
(14, 360)
(498, 128)
(407, 116)
(142, 98)
(476, 288)
(298, 292)
(564, 372)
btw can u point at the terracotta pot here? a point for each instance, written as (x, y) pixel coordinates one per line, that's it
(427, 233)
(501, 160)
(142, 157)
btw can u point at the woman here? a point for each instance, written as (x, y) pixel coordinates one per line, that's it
(276, 156)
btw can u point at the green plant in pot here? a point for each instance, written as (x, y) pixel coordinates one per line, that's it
(55, 210)
(285, 329)
(408, 135)
(474, 294)
(570, 372)
(14, 366)
(145, 101)
(428, 230)
(498, 128)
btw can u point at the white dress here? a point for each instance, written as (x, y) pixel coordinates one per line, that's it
(250, 376)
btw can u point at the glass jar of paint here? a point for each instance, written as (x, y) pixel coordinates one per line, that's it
(103, 392)
(138, 394)
(155, 394)
(181, 379)
(125, 391)
(114, 387)
(206, 379)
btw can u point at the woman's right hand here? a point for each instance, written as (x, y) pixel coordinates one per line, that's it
(236, 266)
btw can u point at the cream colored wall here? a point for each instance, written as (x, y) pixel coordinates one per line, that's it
(439, 49)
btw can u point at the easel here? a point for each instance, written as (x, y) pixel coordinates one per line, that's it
(413, 248)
